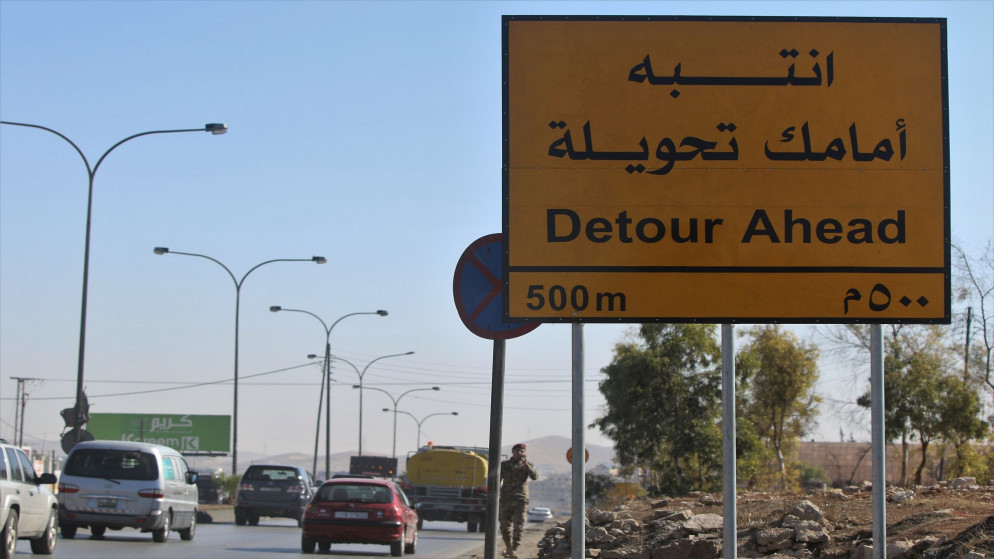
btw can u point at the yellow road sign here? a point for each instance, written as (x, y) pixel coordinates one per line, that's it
(726, 169)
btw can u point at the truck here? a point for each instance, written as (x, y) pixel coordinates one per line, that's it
(449, 483)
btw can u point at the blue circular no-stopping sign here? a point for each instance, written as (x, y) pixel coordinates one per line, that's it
(478, 291)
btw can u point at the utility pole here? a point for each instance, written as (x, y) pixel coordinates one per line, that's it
(22, 397)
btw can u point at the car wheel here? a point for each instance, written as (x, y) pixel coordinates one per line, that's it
(253, 519)
(186, 534)
(412, 547)
(471, 526)
(45, 545)
(8, 538)
(397, 548)
(68, 531)
(307, 544)
(421, 523)
(240, 517)
(162, 534)
(324, 546)
(98, 531)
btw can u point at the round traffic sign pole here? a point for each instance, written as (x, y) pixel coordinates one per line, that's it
(478, 288)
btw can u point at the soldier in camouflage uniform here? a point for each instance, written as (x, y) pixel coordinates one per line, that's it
(514, 475)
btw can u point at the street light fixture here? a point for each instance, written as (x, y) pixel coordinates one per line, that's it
(214, 128)
(238, 296)
(326, 384)
(361, 375)
(395, 402)
(422, 420)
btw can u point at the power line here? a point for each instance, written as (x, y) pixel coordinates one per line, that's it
(186, 386)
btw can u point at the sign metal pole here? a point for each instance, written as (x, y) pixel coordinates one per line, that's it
(879, 470)
(728, 467)
(578, 532)
(496, 430)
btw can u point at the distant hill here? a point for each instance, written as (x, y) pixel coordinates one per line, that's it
(548, 454)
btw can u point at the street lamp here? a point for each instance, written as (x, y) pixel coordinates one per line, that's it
(395, 402)
(361, 375)
(238, 296)
(422, 420)
(326, 384)
(214, 128)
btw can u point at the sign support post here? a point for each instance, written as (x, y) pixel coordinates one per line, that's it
(578, 532)
(728, 466)
(879, 443)
(493, 460)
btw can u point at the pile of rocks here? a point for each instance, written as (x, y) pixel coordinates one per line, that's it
(675, 532)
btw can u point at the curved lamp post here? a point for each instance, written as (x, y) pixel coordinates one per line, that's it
(361, 375)
(91, 172)
(395, 402)
(238, 296)
(422, 420)
(326, 384)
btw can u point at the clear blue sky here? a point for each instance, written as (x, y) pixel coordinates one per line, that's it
(365, 132)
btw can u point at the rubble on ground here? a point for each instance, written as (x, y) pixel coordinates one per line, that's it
(691, 528)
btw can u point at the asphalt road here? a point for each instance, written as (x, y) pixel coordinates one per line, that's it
(276, 538)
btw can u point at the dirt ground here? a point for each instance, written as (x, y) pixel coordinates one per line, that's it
(530, 536)
(954, 517)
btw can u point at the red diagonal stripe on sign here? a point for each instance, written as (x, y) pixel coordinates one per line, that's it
(494, 282)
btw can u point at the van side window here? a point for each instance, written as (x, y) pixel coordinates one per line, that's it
(29, 470)
(181, 469)
(168, 469)
(3, 467)
(14, 465)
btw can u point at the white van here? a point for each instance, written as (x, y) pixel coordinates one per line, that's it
(118, 484)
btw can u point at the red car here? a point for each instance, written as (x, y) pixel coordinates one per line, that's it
(360, 510)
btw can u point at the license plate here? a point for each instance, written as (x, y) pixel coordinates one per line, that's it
(350, 514)
(107, 503)
(270, 489)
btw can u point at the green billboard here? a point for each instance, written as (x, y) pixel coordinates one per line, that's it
(189, 434)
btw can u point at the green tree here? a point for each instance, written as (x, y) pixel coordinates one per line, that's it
(958, 410)
(976, 287)
(778, 374)
(596, 487)
(662, 396)
(898, 388)
(928, 394)
(923, 399)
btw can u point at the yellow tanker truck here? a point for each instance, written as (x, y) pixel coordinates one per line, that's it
(449, 483)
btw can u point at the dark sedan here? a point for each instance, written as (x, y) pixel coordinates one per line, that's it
(272, 490)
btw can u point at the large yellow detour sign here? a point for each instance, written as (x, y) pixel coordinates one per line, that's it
(725, 170)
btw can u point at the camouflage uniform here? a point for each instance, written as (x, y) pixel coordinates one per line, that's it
(514, 476)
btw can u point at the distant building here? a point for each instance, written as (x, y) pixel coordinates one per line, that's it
(851, 463)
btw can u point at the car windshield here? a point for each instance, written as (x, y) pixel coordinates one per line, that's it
(355, 493)
(270, 473)
(112, 464)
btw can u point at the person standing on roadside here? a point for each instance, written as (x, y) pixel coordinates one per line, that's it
(514, 475)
